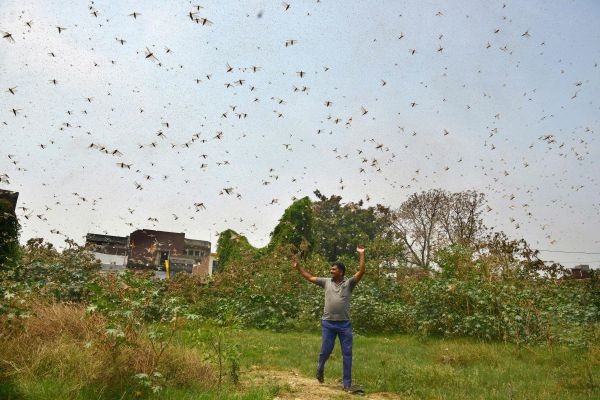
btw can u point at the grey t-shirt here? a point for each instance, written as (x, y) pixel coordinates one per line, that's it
(337, 298)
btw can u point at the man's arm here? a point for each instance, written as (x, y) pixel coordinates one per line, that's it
(309, 277)
(361, 254)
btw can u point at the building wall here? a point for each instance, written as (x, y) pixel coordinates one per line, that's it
(580, 272)
(196, 248)
(202, 267)
(105, 244)
(181, 264)
(199, 250)
(111, 259)
(145, 247)
(111, 251)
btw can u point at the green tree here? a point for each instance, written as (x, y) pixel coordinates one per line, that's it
(48, 272)
(9, 234)
(456, 261)
(295, 227)
(338, 227)
(233, 246)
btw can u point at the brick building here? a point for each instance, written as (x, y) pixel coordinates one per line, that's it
(110, 250)
(580, 272)
(149, 249)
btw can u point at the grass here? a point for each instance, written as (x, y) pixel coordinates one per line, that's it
(54, 359)
(45, 389)
(434, 368)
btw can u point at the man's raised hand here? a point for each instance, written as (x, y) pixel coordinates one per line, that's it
(361, 256)
(305, 274)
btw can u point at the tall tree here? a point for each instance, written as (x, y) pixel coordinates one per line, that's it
(431, 220)
(232, 246)
(9, 234)
(461, 218)
(295, 227)
(338, 227)
(418, 221)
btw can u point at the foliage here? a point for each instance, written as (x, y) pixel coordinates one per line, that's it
(9, 235)
(516, 311)
(232, 246)
(222, 351)
(60, 275)
(340, 227)
(326, 226)
(242, 288)
(134, 298)
(295, 227)
(514, 259)
(377, 307)
(461, 299)
(456, 261)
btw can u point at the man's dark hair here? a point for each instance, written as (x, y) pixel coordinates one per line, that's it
(340, 266)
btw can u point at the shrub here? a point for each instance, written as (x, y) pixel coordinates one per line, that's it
(59, 275)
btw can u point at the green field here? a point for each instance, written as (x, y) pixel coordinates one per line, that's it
(409, 367)
(437, 368)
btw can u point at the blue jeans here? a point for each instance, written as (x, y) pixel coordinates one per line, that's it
(343, 329)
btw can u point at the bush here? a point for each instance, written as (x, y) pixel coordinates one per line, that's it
(59, 275)
(513, 310)
(266, 292)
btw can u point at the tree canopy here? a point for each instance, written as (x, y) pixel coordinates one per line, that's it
(9, 234)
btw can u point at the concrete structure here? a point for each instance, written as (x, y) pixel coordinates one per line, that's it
(148, 249)
(199, 252)
(110, 250)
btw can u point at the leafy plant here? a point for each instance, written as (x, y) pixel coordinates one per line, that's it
(224, 352)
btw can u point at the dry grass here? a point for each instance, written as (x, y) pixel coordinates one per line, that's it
(61, 319)
(61, 342)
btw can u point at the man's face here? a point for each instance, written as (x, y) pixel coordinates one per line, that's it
(336, 272)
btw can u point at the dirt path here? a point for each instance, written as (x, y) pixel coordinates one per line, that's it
(298, 387)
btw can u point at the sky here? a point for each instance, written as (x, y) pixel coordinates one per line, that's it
(197, 117)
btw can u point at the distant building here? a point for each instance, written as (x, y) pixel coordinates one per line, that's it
(110, 250)
(149, 249)
(580, 272)
(199, 252)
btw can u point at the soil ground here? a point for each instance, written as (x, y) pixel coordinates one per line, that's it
(298, 387)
